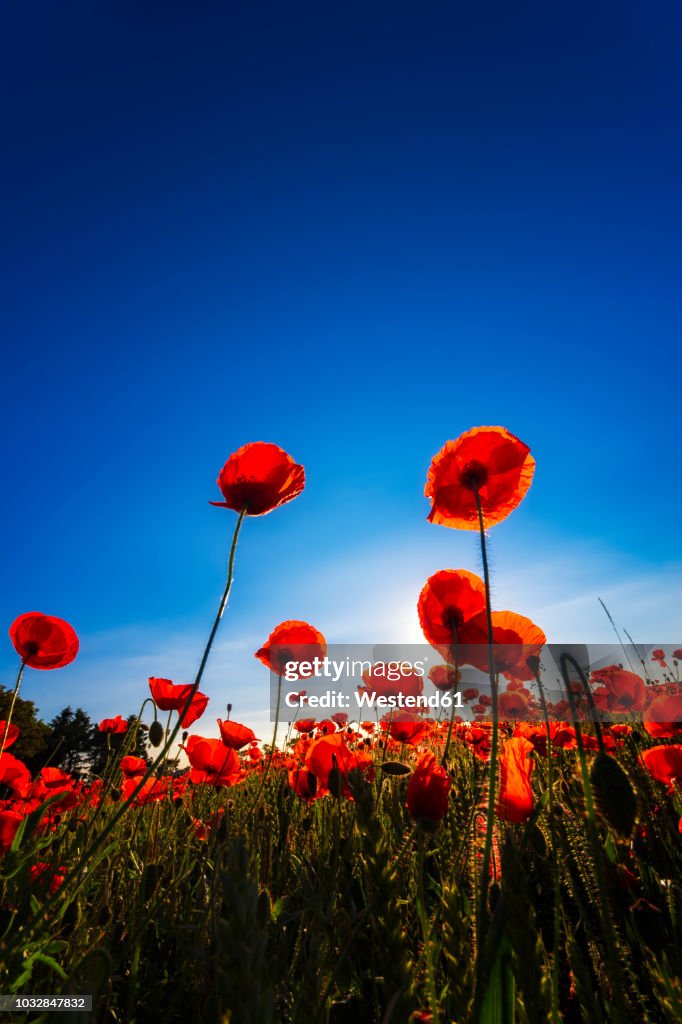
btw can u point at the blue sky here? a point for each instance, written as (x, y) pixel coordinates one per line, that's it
(355, 230)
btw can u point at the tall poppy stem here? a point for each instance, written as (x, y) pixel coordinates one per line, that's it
(161, 756)
(11, 707)
(253, 806)
(455, 658)
(534, 665)
(482, 917)
(223, 603)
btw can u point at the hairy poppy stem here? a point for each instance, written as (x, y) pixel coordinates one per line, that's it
(482, 917)
(272, 750)
(455, 658)
(159, 759)
(556, 879)
(11, 707)
(608, 930)
(223, 603)
(426, 929)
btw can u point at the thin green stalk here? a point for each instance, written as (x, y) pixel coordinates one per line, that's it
(610, 942)
(253, 806)
(11, 707)
(482, 917)
(556, 880)
(455, 657)
(426, 930)
(113, 821)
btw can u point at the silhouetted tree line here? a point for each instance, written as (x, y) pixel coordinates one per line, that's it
(71, 741)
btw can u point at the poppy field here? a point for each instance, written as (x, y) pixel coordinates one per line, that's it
(514, 859)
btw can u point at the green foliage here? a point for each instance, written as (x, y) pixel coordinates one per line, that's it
(34, 735)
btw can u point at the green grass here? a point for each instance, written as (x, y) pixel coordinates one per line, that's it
(344, 910)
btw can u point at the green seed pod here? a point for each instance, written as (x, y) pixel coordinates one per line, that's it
(156, 733)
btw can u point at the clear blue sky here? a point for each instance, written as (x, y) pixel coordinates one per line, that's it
(353, 229)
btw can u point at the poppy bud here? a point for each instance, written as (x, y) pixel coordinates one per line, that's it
(115, 794)
(229, 709)
(614, 795)
(335, 783)
(156, 733)
(184, 736)
(395, 768)
(533, 663)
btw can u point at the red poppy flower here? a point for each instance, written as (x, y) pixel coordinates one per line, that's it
(515, 639)
(392, 679)
(513, 706)
(169, 697)
(664, 762)
(444, 677)
(43, 641)
(289, 644)
(235, 735)
(56, 779)
(113, 725)
(621, 692)
(212, 762)
(8, 734)
(659, 656)
(151, 792)
(427, 790)
(327, 753)
(515, 799)
(561, 734)
(15, 775)
(405, 727)
(449, 600)
(44, 876)
(259, 478)
(489, 460)
(303, 783)
(677, 655)
(131, 765)
(663, 718)
(305, 725)
(621, 730)
(53, 782)
(9, 825)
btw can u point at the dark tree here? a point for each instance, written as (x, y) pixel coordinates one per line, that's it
(34, 735)
(71, 745)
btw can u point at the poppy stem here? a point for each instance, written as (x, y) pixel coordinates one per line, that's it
(223, 604)
(425, 928)
(272, 751)
(11, 707)
(482, 917)
(556, 877)
(98, 840)
(455, 658)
